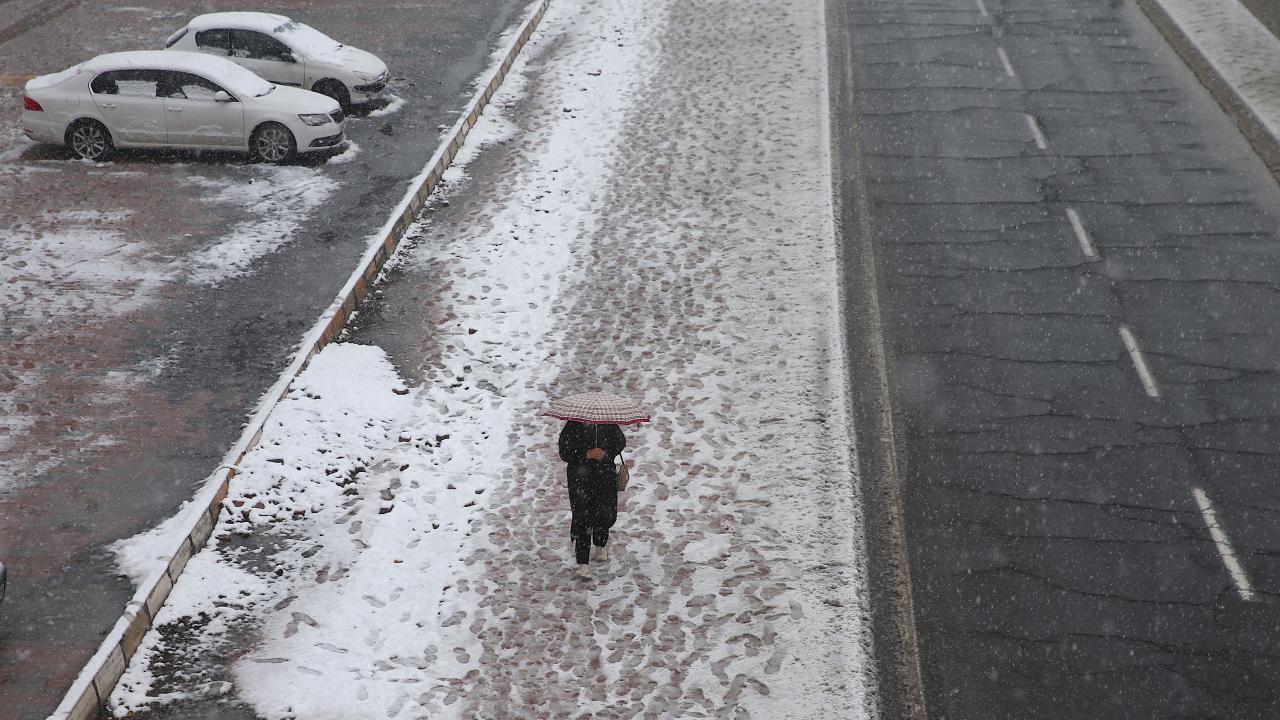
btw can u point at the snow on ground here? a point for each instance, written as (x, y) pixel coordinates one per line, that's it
(657, 220)
(143, 554)
(277, 198)
(12, 142)
(395, 103)
(345, 156)
(75, 272)
(1238, 47)
(74, 261)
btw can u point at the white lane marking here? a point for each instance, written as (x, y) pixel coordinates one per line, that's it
(1228, 553)
(1008, 67)
(1035, 131)
(1139, 362)
(1086, 245)
(982, 8)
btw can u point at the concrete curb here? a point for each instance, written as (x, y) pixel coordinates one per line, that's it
(1234, 100)
(99, 676)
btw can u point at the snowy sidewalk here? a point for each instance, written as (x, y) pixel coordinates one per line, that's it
(1241, 50)
(652, 214)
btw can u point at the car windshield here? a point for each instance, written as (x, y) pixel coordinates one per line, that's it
(307, 39)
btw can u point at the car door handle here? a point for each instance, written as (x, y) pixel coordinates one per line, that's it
(171, 108)
(109, 105)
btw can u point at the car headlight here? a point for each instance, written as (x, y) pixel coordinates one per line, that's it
(315, 119)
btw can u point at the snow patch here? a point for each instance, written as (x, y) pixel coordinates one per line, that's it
(144, 554)
(278, 200)
(213, 598)
(395, 105)
(75, 261)
(345, 156)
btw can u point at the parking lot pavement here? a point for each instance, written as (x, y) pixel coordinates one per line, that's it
(149, 301)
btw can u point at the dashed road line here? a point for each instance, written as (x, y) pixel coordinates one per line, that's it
(1035, 131)
(1228, 553)
(1008, 66)
(1086, 245)
(1139, 362)
(982, 8)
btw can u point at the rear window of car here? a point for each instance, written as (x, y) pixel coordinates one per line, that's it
(175, 37)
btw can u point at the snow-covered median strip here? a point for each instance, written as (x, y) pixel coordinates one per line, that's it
(344, 479)
(1239, 48)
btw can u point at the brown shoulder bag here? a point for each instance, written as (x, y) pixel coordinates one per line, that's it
(624, 474)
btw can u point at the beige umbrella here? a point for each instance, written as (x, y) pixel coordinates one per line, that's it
(597, 408)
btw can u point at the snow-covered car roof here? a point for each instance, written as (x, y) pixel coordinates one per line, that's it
(260, 21)
(234, 77)
(301, 36)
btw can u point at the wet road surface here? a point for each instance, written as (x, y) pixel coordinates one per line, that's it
(1078, 271)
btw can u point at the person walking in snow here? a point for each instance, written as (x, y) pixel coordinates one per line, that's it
(589, 451)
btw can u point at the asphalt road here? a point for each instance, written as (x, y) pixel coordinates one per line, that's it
(1077, 271)
(224, 345)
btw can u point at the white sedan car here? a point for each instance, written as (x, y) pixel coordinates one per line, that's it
(286, 53)
(153, 99)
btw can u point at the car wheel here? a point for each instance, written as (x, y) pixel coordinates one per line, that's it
(89, 139)
(335, 90)
(273, 142)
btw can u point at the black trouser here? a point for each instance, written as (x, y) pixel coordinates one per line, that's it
(583, 539)
(593, 498)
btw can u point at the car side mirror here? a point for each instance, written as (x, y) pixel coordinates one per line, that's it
(288, 57)
(222, 96)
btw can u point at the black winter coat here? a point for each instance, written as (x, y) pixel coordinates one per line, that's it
(577, 438)
(593, 484)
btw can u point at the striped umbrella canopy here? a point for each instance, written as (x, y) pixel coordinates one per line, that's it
(597, 408)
